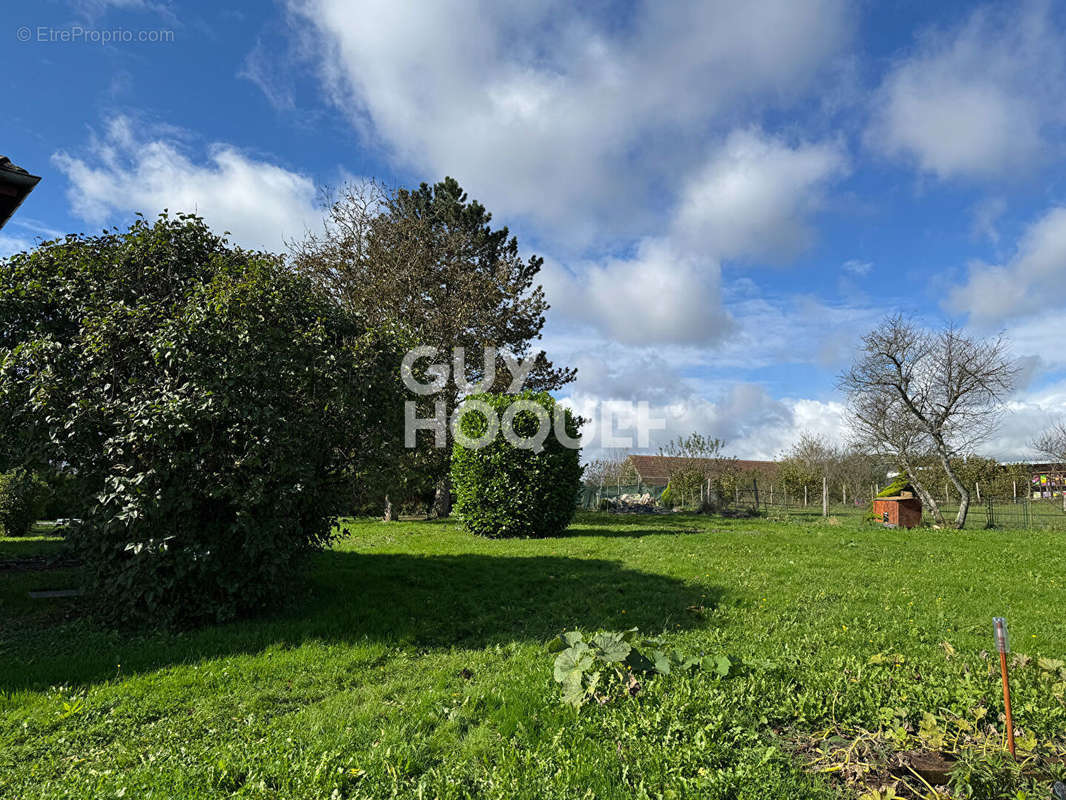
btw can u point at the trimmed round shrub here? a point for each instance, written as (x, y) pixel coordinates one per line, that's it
(23, 496)
(504, 490)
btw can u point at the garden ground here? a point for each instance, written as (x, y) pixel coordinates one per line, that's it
(413, 664)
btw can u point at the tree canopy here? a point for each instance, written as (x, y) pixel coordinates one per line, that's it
(431, 259)
(218, 405)
(914, 392)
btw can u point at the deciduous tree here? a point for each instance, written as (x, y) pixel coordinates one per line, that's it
(430, 259)
(914, 392)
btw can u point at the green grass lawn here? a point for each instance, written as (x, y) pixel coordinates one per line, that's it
(413, 664)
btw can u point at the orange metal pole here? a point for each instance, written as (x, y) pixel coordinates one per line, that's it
(1006, 703)
(999, 624)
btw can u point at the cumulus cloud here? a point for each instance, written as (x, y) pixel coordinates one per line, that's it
(754, 196)
(977, 101)
(752, 199)
(660, 295)
(261, 204)
(745, 415)
(1020, 286)
(1026, 417)
(546, 110)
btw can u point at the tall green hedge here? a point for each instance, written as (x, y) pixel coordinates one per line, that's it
(506, 491)
(23, 496)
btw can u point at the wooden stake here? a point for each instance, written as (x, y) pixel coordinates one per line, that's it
(999, 625)
(825, 496)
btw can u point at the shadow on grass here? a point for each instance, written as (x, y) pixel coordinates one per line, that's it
(611, 524)
(410, 601)
(634, 531)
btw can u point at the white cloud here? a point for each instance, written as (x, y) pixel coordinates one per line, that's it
(1025, 418)
(261, 204)
(986, 214)
(660, 295)
(854, 266)
(552, 111)
(976, 101)
(1041, 335)
(753, 424)
(753, 197)
(1029, 282)
(9, 245)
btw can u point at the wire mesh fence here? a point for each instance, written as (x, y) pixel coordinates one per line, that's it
(1014, 512)
(773, 501)
(1021, 513)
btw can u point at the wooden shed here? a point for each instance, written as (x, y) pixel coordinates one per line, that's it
(899, 511)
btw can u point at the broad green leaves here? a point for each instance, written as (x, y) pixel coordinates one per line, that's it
(607, 666)
(506, 491)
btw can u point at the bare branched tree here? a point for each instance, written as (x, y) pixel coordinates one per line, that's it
(914, 391)
(1052, 442)
(881, 423)
(610, 470)
(699, 458)
(847, 470)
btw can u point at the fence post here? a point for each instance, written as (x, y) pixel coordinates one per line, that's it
(844, 493)
(990, 514)
(1014, 485)
(755, 489)
(825, 496)
(977, 486)
(772, 497)
(804, 495)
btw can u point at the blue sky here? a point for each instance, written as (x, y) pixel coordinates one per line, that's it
(726, 194)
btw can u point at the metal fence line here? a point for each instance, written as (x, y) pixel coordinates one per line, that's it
(993, 511)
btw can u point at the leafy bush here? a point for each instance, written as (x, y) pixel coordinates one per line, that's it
(666, 499)
(607, 666)
(217, 406)
(505, 491)
(23, 496)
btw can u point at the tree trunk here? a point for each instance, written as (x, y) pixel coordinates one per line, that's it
(387, 516)
(964, 493)
(928, 501)
(442, 499)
